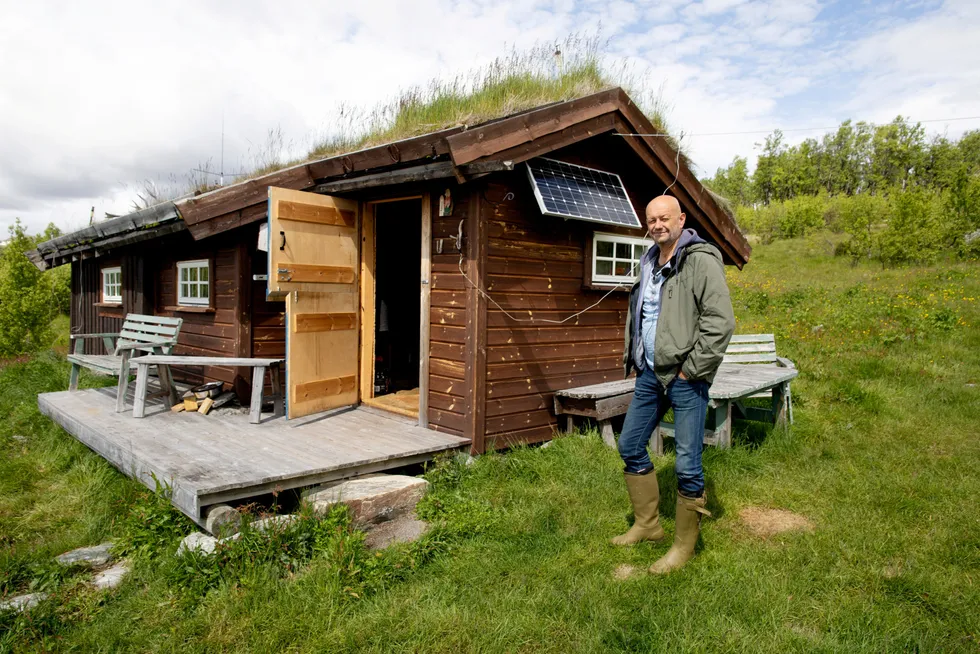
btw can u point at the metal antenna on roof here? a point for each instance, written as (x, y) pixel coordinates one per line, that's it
(220, 173)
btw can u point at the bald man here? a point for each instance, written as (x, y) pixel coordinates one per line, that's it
(679, 323)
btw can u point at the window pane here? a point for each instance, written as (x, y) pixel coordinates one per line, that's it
(622, 250)
(622, 268)
(603, 249)
(603, 267)
(192, 274)
(183, 290)
(204, 274)
(638, 250)
(183, 274)
(204, 290)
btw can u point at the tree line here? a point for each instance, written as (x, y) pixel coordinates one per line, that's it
(899, 195)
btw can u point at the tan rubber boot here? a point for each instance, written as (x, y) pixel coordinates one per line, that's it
(689, 512)
(645, 496)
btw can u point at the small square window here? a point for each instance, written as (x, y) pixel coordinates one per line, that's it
(194, 287)
(112, 285)
(616, 259)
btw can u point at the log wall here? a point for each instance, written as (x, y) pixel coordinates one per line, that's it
(448, 390)
(535, 271)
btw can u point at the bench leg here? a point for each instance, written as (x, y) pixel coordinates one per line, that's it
(606, 430)
(569, 423)
(723, 424)
(166, 384)
(657, 441)
(123, 385)
(779, 397)
(277, 390)
(73, 378)
(255, 409)
(139, 398)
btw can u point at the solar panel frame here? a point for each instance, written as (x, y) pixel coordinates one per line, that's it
(617, 209)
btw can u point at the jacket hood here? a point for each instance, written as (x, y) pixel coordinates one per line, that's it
(688, 238)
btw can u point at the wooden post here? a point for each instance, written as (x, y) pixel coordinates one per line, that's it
(779, 395)
(243, 314)
(139, 398)
(367, 302)
(424, 310)
(723, 424)
(569, 423)
(606, 430)
(255, 409)
(123, 384)
(657, 441)
(475, 235)
(277, 391)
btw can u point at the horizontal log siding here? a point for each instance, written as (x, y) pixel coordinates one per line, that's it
(535, 270)
(447, 314)
(87, 317)
(203, 334)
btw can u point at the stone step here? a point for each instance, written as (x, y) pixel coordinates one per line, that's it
(373, 498)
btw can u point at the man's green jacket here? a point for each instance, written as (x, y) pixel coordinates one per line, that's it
(696, 320)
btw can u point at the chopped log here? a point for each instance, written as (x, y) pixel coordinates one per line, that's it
(223, 399)
(190, 404)
(206, 406)
(177, 408)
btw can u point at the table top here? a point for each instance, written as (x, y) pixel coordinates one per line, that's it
(174, 359)
(734, 380)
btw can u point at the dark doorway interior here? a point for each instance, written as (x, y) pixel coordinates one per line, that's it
(398, 261)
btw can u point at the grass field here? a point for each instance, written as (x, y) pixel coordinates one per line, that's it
(883, 460)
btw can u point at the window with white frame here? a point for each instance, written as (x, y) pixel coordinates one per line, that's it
(194, 282)
(112, 285)
(616, 259)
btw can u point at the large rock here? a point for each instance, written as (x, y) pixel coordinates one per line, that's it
(197, 542)
(111, 577)
(90, 557)
(403, 529)
(22, 602)
(373, 498)
(223, 520)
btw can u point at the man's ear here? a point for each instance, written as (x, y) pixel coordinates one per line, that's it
(683, 217)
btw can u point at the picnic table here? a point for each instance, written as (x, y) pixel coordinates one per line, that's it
(733, 384)
(164, 361)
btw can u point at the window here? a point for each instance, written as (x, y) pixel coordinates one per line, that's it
(193, 282)
(616, 258)
(112, 285)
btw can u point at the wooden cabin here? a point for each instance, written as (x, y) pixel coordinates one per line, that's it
(320, 263)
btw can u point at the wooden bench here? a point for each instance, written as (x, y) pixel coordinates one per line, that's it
(163, 363)
(140, 333)
(736, 381)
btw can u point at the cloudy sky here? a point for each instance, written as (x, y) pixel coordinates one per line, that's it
(97, 97)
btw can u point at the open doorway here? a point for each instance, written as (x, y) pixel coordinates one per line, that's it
(397, 263)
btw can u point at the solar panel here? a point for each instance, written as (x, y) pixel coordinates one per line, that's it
(569, 191)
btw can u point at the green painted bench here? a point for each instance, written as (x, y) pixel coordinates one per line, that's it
(140, 333)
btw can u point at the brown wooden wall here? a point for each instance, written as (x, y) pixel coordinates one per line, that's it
(447, 335)
(88, 314)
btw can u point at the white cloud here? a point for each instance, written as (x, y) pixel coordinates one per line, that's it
(98, 96)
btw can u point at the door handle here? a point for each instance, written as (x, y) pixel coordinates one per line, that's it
(282, 246)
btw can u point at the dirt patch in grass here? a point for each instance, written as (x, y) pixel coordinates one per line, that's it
(625, 571)
(765, 523)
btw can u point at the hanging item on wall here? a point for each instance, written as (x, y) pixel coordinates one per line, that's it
(446, 203)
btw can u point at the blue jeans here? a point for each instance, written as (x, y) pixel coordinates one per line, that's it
(651, 400)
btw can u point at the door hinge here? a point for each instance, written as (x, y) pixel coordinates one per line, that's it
(285, 274)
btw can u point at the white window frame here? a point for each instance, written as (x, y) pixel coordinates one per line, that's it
(108, 284)
(183, 286)
(598, 237)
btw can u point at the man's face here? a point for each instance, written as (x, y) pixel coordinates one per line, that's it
(665, 222)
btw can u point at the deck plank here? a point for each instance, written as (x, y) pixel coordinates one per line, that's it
(221, 457)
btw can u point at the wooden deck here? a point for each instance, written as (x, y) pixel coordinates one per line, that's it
(221, 457)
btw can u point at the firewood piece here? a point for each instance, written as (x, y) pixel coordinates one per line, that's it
(206, 405)
(223, 399)
(190, 404)
(177, 408)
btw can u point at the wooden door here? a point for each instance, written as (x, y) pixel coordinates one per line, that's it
(313, 259)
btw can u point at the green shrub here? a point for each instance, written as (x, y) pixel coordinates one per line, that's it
(29, 299)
